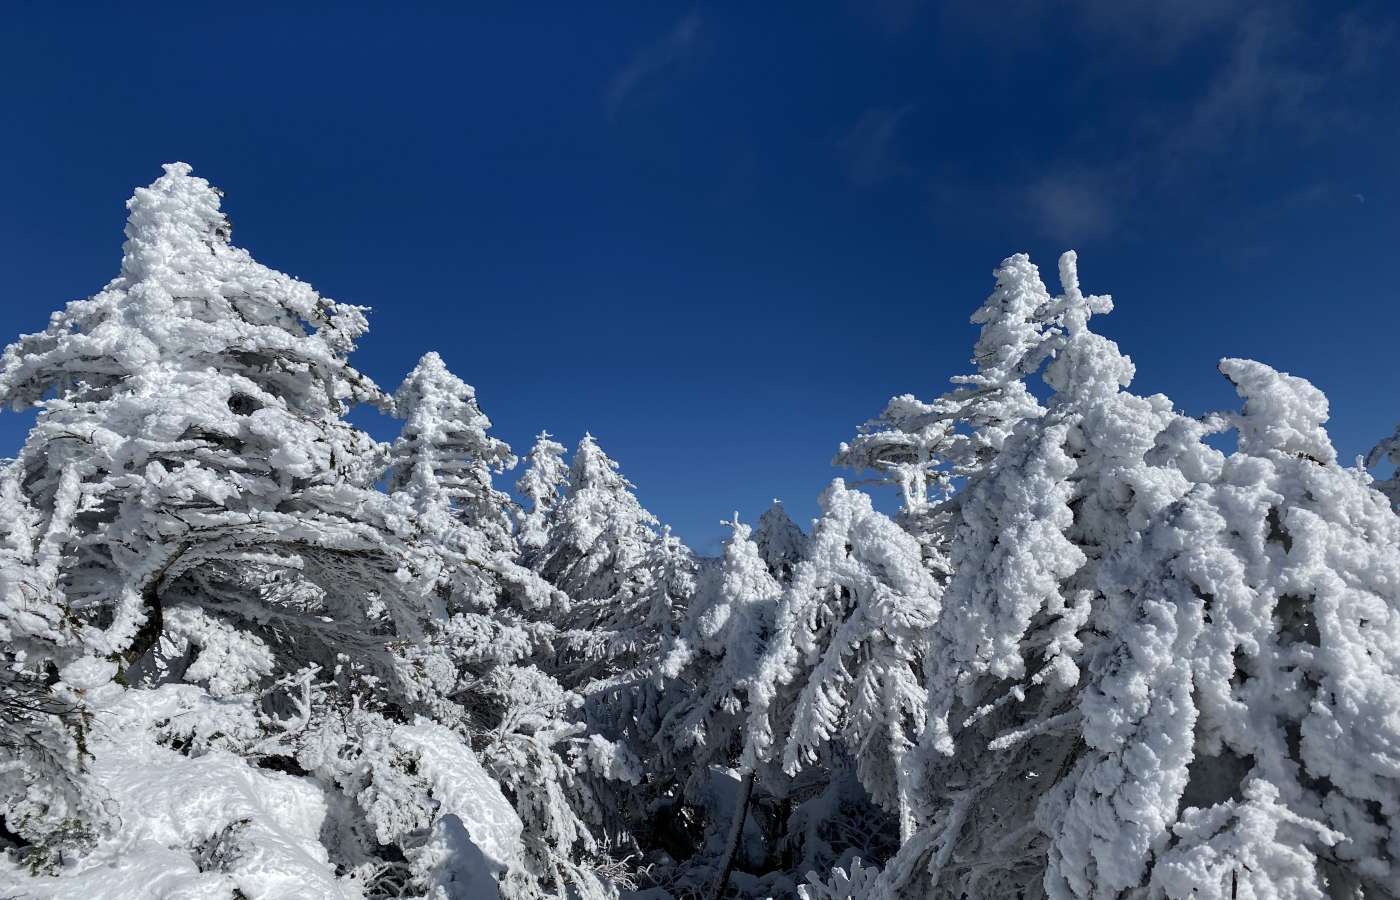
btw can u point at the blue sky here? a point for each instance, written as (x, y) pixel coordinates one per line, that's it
(720, 236)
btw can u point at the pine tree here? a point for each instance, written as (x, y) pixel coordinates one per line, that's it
(545, 477)
(600, 541)
(444, 458)
(847, 651)
(923, 447)
(1067, 489)
(1252, 654)
(780, 542)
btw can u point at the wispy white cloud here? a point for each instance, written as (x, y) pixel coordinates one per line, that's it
(653, 61)
(1072, 207)
(1273, 82)
(870, 149)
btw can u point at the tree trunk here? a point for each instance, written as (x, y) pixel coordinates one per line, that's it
(150, 630)
(736, 833)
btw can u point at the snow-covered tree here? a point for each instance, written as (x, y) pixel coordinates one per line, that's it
(847, 650)
(780, 541)
(1130, 657)
(541, 484)
(600, 543)
(42, 735)
(715, 657)
(627, 635)
(1068, 488)
(904, 446)
(444, 458)
(1252, 639)
(597, 532)
(624, 701)
(1388, 451)
(246, 650)
(922, 447)
(708, 670)
(190, 482)
(200, 572)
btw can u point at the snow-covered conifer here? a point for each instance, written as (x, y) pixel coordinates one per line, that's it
(780, 541)
(715, 657)
(541, 484)
(921, 447)
(1388, 451)
(847, 649)
(1068, 488)
(904, 446)
(600, 542)
(443, 457)
(626, 635)
(1254, 642)
(597, 532)
(190, 465)
(246, 650)
(198, 566)
(708, 670)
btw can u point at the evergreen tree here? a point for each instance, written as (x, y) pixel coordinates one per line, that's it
(624, 702)
(847, 651)
(598, 532)
(203, 514)
(444, 458)
(1067, 489)
(923, 447)
(780, 542)
(244, 641)
(545, 477)
(1251, 658)
(600, 541)
(1091, 657)
(715, 657)
(708, 671)
(1388, 451)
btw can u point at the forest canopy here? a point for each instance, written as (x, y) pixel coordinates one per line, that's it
(250, 651)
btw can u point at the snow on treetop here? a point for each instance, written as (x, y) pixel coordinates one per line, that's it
(185, 293)
(1282, 413)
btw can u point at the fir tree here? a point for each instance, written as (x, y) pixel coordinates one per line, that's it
(600, 541)
(542, 483)
(444, 458)
(1230, 713)
(848, 651)
(1388, 451)
(780, 541)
